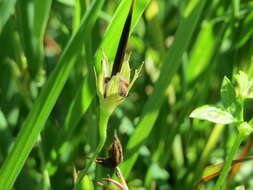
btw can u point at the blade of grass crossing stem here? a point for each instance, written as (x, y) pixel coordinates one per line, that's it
(169, 68)
(6, 9)
(44, 104)
(109, 45)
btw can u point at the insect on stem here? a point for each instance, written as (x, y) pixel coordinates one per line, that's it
(119, 58)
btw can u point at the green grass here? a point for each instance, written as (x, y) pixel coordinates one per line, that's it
(49, 110)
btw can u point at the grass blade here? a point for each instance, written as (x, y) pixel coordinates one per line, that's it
(45, 103)
(33, 18)
(108, 45)
(112, 35)
(6, 9)
(152, 107)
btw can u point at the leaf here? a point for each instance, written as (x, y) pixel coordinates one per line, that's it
(44, 104)
(169, 68)
(33, 18)
(245, 128)
(246, 31)
(251, 122)
(203, 50)
(228, 96)
(114, 30)
(87, 183)
(109, 44)
(242, 80)
(6, 9)
(120, 54)
(213, 114)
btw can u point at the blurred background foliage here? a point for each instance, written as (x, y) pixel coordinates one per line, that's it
(33, 35)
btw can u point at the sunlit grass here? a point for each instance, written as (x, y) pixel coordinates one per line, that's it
(49, 109)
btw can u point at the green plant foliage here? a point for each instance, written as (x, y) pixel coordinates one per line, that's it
(213, 114)
(216, 115)
(184, 62)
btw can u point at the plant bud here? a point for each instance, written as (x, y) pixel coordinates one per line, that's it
(115, 155)
(112, 90)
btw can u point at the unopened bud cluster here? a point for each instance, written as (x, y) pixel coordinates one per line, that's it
(112, 90)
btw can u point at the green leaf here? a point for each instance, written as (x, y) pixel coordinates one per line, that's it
(202, 51)
(111, 39)
(113, 32)
(125, 71)
(168, 70)
(33, 17)
(213, 114)
(87, 183)
(242, 80)
(41, 15)
(158, 172)
(78, 106)
(6, 9)
(245, 129)
(228, 96)
(251, 122)
(40, 112)
(246, 31)
(245, 85)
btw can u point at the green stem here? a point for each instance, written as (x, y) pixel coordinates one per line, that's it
(241, 100)
(212, 141)
(226, 168)
(236, 8)
(45, 177)
(103, 120)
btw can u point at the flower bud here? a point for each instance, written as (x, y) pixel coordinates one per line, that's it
(112, 90)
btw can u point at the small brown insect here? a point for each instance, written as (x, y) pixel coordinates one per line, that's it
(115, 155)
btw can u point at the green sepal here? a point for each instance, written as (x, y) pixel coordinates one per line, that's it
(109, 88)
(136, 75)
(112, 87)
(125, 71)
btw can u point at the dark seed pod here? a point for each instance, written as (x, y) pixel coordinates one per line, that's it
(116, 151)
(115, 155)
